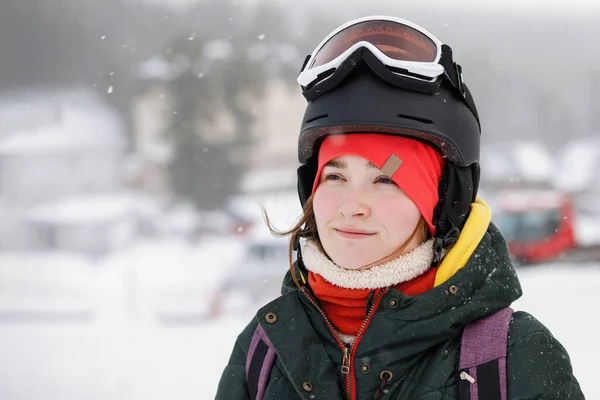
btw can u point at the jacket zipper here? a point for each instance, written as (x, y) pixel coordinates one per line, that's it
(374, 304)
(347, 350)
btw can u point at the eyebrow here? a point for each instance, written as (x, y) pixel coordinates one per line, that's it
(342, 164)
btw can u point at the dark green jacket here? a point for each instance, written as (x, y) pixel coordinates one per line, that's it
(416, 338)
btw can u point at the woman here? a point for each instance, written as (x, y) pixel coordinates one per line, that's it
(402, 284)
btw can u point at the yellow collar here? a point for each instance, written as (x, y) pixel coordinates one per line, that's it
(470, 236)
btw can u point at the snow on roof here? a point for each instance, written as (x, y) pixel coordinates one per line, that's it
(90, 209)
(80, 120)
(52, 139)
(579, 163)
(526, 161)
(496, 164)
(534, 161)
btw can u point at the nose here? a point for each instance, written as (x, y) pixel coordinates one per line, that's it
(354, 204)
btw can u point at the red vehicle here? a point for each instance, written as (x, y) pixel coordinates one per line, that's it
(538, 225)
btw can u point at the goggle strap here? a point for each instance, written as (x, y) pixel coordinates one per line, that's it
(471, 103)
(453, 72)
(451, 69)
(305, 63)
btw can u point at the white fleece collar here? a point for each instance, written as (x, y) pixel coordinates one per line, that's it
(402, 269)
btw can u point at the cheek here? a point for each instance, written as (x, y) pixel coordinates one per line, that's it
(325, 204)
(399, 216)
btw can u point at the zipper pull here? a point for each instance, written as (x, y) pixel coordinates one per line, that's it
(346, 360)
(466, 377)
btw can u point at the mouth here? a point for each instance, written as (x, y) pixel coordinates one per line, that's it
(353, 234)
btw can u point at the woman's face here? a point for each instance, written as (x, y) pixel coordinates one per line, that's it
(362, 216)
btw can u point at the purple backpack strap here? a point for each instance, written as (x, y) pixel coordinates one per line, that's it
(482, 366)
(259, 362)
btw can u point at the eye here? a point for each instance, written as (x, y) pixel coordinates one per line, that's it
(332, 177)
(385, 180)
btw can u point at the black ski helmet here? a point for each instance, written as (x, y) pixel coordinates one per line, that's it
(360, 101)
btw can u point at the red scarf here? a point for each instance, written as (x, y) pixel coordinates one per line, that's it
(346, 308)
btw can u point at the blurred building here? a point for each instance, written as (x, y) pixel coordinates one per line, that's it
(61, 157)
(278, 125)
(275, 133)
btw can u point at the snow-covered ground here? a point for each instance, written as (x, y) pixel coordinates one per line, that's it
(120, 350)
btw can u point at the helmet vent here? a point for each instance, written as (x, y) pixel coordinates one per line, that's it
(320, 116)
(423, 120)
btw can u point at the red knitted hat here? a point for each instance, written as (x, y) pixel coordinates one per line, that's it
(414, 166)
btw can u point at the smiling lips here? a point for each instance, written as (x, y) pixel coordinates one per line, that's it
(353, 233)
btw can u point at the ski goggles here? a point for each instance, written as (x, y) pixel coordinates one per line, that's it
(413, 58)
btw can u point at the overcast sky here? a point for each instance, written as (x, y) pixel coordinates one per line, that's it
(517, 6)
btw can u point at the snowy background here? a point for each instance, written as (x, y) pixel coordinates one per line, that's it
(113, 347)
(139, 140)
